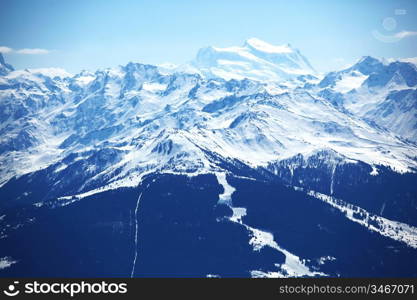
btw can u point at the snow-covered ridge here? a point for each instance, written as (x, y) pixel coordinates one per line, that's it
(395, 230)
(141, 120)
(268, 48)
(379, 91)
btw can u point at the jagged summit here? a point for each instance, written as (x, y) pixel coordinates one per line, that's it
(367, 65)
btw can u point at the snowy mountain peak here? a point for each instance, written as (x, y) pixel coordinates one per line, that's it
(372, 73)
(262, 46)
(256, 60)
(369, 60)
(367, 65)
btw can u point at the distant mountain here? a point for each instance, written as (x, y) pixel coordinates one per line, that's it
(373, 73)
(244, 153)
(383, 93)
(255, 60)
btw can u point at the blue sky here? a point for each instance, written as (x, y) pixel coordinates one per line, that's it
(78, 35)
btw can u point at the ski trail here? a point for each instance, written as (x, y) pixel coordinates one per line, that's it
(332, 179)
(293, 266)
(136, 236)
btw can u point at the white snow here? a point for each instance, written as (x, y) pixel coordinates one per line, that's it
(374, 171)
(154, 86)
(226, 196)
(268, 48)
(255, 60)
(322, 260)
(350, 82)
(51, 72)
(84, 80)
(293, 265)
(136, 235)
(6, 262)
(393, 229)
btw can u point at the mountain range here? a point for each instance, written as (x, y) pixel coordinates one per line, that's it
(245, 162)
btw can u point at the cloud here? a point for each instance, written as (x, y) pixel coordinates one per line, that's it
(51, 72)
(4, 49)
(412, 60)
(394, 37)
(32, 51)
(404, 34)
